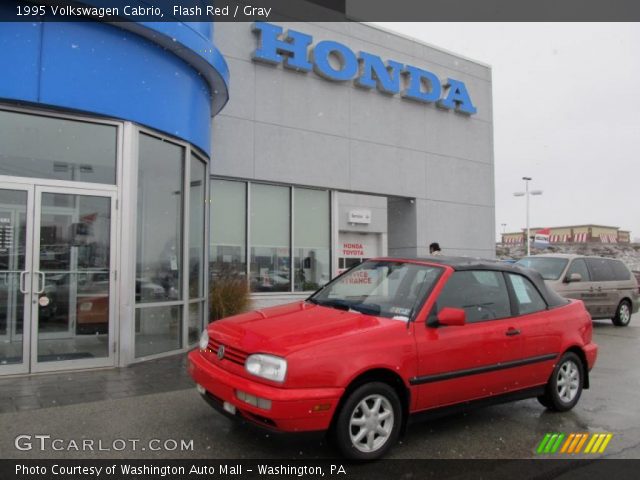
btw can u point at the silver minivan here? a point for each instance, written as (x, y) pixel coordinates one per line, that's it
(605, 285)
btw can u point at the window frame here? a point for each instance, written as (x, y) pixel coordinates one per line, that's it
(436, 308)
(515, 304)
(189, 150)
(247, 238)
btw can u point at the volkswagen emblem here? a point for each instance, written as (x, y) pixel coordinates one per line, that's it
(220, 352)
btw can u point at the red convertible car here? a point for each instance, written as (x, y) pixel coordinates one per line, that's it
(392, 338)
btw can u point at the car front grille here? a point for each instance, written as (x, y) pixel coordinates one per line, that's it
(232, 354)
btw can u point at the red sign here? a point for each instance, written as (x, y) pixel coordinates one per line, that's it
(352, 249)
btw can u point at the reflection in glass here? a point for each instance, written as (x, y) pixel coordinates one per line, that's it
(57, 149)
(228, 229)
(196, 228)
(270, 252)
(195, 322)
(13, 207)
(311, 238)
(159, 263)
(158, 329)
(74, 257)
(159, 236)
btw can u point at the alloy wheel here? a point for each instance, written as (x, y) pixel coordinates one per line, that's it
(371, 423)
(568, 381)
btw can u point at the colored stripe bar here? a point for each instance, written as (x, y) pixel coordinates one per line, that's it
(551, 442)
(554, 449)
(567, 443)
(591, 443)
(543, 443)
(582, 440)
(606, 442)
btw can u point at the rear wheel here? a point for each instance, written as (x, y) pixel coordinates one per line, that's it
(623, 314)
(368, 423)
(565, 385)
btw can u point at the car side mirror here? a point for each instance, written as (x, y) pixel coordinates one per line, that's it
(452, 317)
(573, 277)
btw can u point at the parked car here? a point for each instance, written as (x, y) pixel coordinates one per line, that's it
(392, 338)
(605, 285)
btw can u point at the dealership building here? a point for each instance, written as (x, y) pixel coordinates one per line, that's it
(141, 164)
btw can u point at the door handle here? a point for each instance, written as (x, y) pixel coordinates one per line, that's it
(512, 331)
(23, 288)
(40, 285)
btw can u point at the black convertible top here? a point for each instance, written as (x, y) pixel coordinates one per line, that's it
(470, 263)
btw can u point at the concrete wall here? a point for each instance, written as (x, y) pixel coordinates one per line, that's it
(285, 126)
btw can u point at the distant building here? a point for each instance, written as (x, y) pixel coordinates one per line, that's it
(574, 234)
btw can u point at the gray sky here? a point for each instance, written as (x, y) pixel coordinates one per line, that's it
(566, 112)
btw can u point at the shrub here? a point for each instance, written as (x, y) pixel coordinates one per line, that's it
(229, 295)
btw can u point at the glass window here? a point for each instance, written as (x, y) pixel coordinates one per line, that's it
(159, 242)
(601, 269)
(159, 269)
(528, 299)
(270, 235)
(549, 267)
(481, 294)
(620, 270)
(58, 149)
(158, 330)
(387, 289)
(228, 229)
(195, 321)
(311, 238)
(197, 197)
(578, 266)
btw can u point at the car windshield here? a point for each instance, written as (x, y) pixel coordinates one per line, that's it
(381, 288)
(550, 268)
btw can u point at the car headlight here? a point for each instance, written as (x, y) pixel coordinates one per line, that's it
(267, 366)
(204, 340)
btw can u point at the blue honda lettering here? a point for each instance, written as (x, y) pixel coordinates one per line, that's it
(335, 61)
(457, 97)
(374, 73)
(294, 47)
(417, 79)
(322, 66)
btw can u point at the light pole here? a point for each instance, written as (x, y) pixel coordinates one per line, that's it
(526, 194)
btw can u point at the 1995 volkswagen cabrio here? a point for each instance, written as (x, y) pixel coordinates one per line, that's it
(391, 338)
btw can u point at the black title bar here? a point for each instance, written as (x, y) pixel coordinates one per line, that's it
(320, 10)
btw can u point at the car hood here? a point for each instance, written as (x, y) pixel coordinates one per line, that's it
(288, 328)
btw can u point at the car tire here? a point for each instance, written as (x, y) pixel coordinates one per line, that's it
(368, 424)
(565, 385)
(623, 314)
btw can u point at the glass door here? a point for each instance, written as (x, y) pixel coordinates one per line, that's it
(73, 294)
(15, 266)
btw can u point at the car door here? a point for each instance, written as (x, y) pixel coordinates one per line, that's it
(579, 289)
(461, 363)
(602, 293)
(540, 334)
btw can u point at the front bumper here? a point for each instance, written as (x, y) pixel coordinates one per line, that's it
(292, 410)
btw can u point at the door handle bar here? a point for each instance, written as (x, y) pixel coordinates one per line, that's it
(512, 331)
(41, 285)
(23, 288)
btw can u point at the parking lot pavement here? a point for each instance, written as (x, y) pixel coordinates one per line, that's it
(507, 431)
